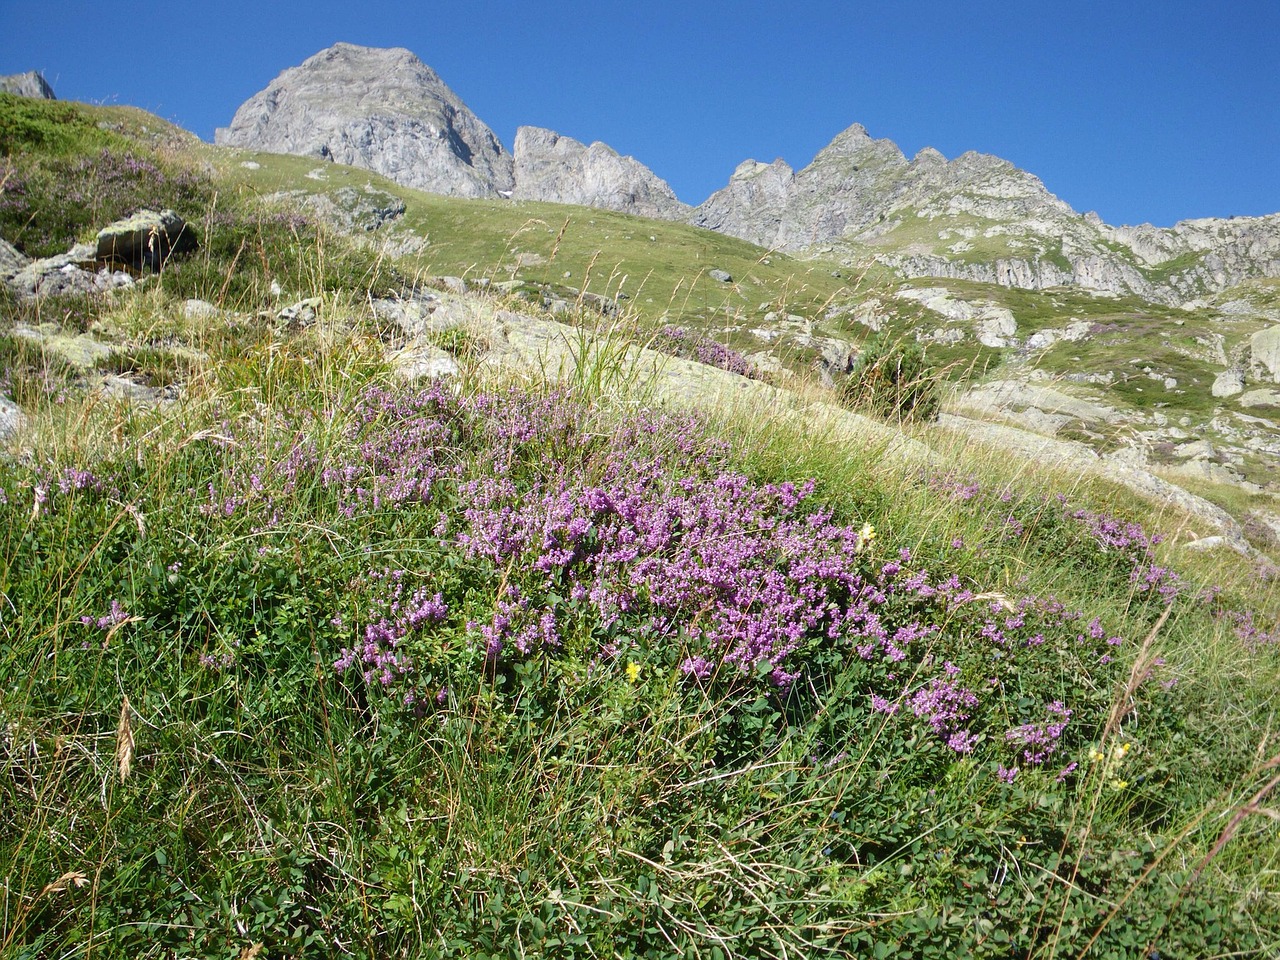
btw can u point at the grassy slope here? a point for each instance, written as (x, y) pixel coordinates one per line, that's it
(577, 802)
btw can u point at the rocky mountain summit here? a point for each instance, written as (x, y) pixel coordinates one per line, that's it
(384, 110)
(559, 169)
(976, 217)
(29, 84)
(979, 218)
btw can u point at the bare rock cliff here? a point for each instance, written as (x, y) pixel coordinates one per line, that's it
(559, 169)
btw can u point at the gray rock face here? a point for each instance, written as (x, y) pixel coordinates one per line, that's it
(29, 84)
(383, 110)
(75, 271)
(559, 169)
(752, 206)
(978, 217)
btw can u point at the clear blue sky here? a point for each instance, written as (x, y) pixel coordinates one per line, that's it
(1142, 111)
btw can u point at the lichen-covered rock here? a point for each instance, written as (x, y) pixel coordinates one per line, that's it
(146, 239)
(559, 169)
(75, 271)
(1227, 384)
(383, 110)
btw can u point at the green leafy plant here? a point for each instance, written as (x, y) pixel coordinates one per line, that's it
(893, 378)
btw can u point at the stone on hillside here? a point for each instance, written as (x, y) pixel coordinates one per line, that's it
(606, 306)
(997, 328)
(1259, 398)
(355, 210)
(1205, 544)
(11, 418)
(383, 110)
(73, 272)
(11, 260)
(1265, 349)
(199, 310)
(80, 350)
(720, 276)
(146, 239)
(424, 361)
(1227, 384)
(29, 84)
(558, 169)
(300, 314)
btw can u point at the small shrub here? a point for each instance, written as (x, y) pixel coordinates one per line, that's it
(893, 378)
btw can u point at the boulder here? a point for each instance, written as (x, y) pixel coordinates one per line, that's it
(11, 261)
(720, 276)
(146, 239)
(1227, 384)
(11, 418)
(300, 314)
(72, 272)
(29, 84)
(199, 310)
(1265, 349)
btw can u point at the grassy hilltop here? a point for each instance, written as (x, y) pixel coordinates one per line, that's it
(300, 657)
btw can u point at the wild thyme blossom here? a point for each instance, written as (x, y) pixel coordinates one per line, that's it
(397, 616)
(945, 707)
(116, 616)
(679, 342)
(1040, 740)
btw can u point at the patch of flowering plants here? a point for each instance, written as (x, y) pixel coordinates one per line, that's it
(640, 544)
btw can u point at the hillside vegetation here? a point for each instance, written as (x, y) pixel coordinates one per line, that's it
(303, 658)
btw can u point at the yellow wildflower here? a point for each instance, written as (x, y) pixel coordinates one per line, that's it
(633, 672)
(865, 536)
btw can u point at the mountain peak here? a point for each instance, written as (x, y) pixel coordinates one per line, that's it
(378, 108)
(559, 169)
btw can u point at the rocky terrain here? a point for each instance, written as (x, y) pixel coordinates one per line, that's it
(979, 218)
(1099, 352)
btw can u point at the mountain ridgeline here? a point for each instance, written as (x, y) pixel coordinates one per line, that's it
(975, 217)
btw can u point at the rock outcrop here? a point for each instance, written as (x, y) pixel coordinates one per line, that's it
(383, 110)
(29, 84)
(559, 169)
(146, 239)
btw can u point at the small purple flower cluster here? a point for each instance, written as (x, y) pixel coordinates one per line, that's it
(114, 617)
(397, 613)
(679, 342)
(945, 707)
(642, 538)
(1039, 740)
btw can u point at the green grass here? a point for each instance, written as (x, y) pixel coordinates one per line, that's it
(190, 774)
